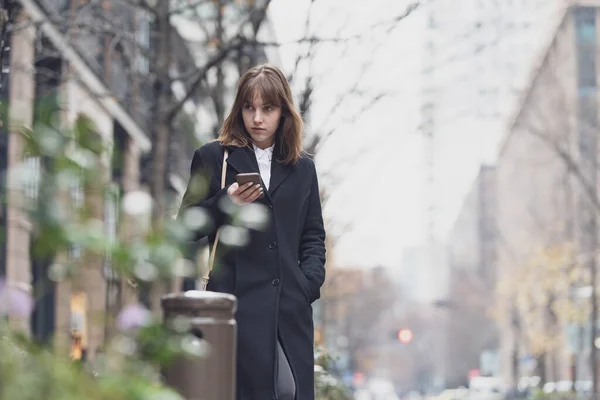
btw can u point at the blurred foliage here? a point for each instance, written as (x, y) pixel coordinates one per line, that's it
(63, 185)
(327, 386)
(538, 394)
(29, 371)
(540, 292)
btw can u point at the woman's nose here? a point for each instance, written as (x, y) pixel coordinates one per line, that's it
(257, 117)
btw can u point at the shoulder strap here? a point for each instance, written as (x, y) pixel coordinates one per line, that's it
(211, 258)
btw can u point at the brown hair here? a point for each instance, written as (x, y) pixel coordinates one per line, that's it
(270, 84)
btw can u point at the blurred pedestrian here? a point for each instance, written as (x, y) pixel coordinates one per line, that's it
(278, 275)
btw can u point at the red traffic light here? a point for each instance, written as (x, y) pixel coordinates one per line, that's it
(405, 335)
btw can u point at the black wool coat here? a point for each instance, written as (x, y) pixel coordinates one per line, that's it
(276, 276)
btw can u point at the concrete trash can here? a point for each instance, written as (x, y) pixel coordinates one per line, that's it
(211, 317)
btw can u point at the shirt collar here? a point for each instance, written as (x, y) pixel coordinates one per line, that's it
(260, 153)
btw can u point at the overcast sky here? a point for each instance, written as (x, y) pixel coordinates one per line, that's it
(374, 165)
(371, 166)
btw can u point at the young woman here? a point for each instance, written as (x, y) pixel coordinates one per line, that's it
(279, 273)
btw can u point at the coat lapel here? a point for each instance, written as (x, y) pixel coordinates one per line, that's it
(242, 159)
(279, 172)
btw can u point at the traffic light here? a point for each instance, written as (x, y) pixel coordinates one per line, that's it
(405, 335)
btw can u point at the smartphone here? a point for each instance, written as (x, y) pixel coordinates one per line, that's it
(243, 179)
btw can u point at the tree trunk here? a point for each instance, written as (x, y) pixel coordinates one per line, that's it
(542, 370)
(161, 127)
(161, 134)
(515, 351)
(90, 284)
(594, 318)
(219, 90)
(20, 114)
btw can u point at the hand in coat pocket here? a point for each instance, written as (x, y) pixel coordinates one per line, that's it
(305, 285)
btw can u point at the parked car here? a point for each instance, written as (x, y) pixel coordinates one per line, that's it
(486, 388)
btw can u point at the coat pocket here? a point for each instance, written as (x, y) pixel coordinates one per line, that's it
(304, 284)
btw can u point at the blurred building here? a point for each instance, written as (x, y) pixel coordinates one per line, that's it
(472, 239)
(546, 195)
(478, 70)
(357, 320)
(476, 60)
(77, 67)
(471, 251)
(335, 310)
(423, 275)
(49, 74)
(478, 57)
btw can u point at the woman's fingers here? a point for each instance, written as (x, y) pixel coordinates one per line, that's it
(257, 195)
(245, 194)
(245, 188)
(251, 194)
(232, 189)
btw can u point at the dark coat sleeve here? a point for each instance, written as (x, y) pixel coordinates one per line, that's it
(312, 242)
(204, 190)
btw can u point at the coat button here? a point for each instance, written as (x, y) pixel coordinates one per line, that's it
(273, 245)
(275, 282)
(269, 208)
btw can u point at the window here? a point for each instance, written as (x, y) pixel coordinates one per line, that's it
(585, 27)
(111, 222)
(43, 316)
(4, 80)
(3, 167)
(587, 104)
(143, 39)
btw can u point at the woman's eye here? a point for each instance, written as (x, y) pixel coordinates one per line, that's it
(247, 107)
(268, 108)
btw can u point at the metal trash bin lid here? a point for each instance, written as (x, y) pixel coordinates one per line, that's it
(199, 298)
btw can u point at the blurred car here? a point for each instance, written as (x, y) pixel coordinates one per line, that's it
(486, 388)
(379, 389)
(453, 394)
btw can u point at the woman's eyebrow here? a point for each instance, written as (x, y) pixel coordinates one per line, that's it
(271, 104)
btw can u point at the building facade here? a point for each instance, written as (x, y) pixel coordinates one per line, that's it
(48, 78)
(98, 74)
(476, 58)
(471, 249)
(546, 196)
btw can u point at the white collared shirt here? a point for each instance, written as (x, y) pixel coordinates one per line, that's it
(264, 157)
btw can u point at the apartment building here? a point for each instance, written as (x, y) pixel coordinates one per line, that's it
(471, 251)
(546, 191)
(84, 72)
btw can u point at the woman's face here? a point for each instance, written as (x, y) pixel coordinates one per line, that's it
(261, 121)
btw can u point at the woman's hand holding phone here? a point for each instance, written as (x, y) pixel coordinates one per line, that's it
(244, 194)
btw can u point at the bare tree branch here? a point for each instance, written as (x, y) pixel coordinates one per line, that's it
(545, 124)
(184, 8)
(237, 43)
(305, 99)
(142, 4)
(319, 138)
(572, 165)
(200, 74)
(299, 57)
(389, 25)
(106, 27)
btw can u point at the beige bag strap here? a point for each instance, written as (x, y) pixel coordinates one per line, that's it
(211, 258)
